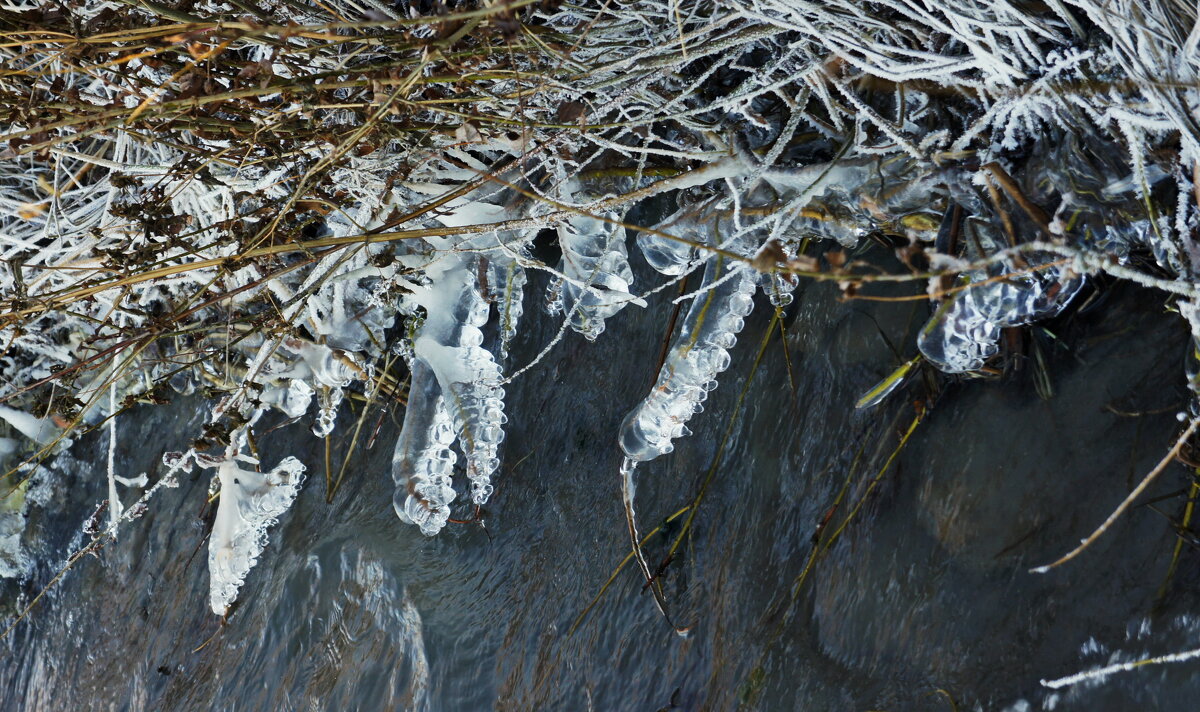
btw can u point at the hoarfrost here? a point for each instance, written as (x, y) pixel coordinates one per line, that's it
(840, 130)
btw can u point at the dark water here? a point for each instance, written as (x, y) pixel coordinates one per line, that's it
(924, 602)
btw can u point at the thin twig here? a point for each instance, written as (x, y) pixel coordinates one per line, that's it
(1128, 502)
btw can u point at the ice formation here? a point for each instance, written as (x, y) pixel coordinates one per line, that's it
(42, 431)
(699, 354)
(270, 233)
(964, 333)
(449, 342)
(423, 463)
(596, 274)
(33, 488)
(250, 503)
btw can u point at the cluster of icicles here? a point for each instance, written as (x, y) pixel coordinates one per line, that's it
(463, 301)
(455, 405)
(456, 393)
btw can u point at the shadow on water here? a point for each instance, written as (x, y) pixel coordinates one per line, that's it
(924, 602)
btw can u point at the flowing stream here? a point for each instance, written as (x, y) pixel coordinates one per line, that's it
(924, 601)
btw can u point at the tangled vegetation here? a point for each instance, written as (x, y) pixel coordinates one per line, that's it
(273, 202)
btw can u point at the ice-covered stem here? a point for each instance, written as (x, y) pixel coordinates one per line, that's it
(250, 503)
(449, 343)
(596, 265)
(423, 463)
(965, 331)
(699, 353)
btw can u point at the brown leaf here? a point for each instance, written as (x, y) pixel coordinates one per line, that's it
(768, 256)
(467, 133)
(570, 111)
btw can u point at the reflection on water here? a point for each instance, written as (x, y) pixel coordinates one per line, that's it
(923, 599)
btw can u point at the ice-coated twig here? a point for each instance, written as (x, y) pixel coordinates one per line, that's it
(115, 510)
(699, 353)
(1100, 674)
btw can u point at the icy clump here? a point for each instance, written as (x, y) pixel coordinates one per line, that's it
(250, 503)
(698, 354)
(965, 331)
(506, 281)
(449, 342)
(676, 256)
(598, 276)
(778, 287)
(423, 463)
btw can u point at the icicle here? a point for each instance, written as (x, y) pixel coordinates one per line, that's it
(506, 280)
(598, 274)
(328, 399)
(699, 353)
(423, 463)
(251, 502)
(778, 286)
(449, 343)
(965, 331)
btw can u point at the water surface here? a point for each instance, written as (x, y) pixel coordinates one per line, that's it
(924, 602)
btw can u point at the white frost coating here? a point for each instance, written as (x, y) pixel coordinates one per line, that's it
(423, 463)
(250, 503)
(449, 343)
(43, 431)
(698, 354)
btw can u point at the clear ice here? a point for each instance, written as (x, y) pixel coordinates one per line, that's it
(250, 503)
(697, 356)
(965, 330)
(449, 342)
(598, 276)
(423, 463)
